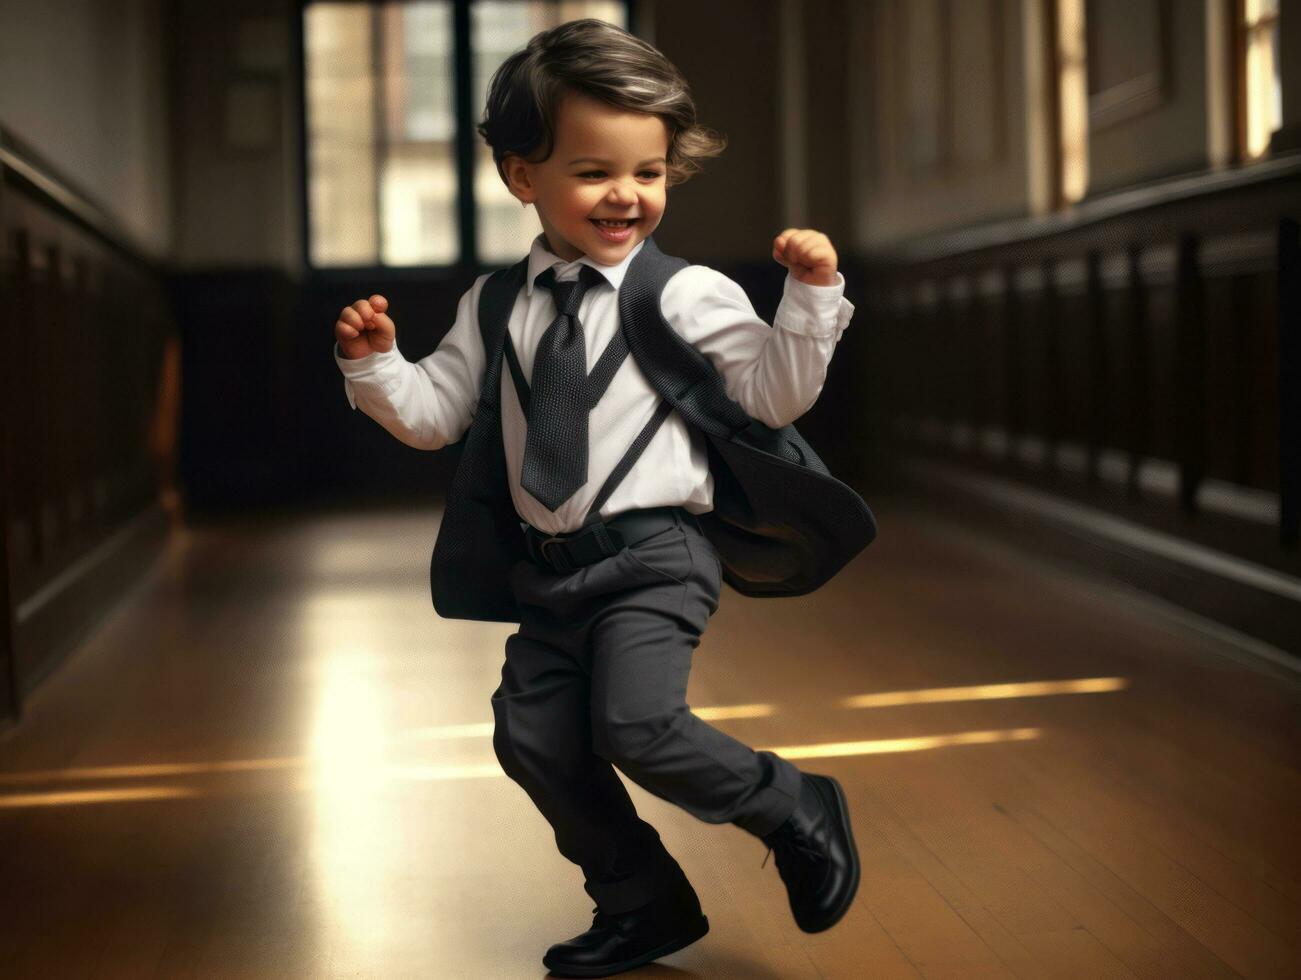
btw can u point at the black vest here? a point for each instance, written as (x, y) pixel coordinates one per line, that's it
(782, 524)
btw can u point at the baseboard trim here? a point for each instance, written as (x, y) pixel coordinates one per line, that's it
(1261, 603)
(51, 622)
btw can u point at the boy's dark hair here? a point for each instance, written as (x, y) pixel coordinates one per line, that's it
(602, 61)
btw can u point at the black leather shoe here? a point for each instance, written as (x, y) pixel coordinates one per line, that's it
(624, 941)
(816, 855)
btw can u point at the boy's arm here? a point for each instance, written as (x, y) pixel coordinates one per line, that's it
(775, 373)
(430, 403)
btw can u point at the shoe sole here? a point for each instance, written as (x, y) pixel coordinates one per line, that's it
(842, 808)
(696, 931)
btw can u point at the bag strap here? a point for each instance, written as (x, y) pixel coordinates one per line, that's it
(701, 397)
(597, 382)
(496, 300)
(625, 464)
(499, 295)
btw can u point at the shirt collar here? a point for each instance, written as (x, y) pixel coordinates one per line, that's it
(542, 258)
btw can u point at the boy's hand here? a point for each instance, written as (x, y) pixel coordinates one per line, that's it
(807, 254)
(364, 328)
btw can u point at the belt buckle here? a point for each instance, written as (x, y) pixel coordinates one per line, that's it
(565, 565)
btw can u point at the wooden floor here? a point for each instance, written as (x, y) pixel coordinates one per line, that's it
(274, 760)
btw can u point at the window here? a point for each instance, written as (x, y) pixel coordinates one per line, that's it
(1072, 101)
(380, 133)
(382, 129)
(1262, 89)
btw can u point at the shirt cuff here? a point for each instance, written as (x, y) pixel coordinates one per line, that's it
(380, 371)
(814, 311)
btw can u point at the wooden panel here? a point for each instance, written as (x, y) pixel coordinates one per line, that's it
(1111, 309)
(1036, 323)
(978, 90)
(920, 65)
(1136, 353)
(84, 338)
(1225, 392)
(987, 334)
(1262, 404)
(1158, 353)
(1128, 50)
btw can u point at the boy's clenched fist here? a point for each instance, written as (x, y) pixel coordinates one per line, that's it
(364, 328)
(807, 254)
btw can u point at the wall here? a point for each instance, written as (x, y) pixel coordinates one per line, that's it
(939, 124)
(1147, 91)
(1289, 27)
(236, 128)
(83, 83)
(727, 51)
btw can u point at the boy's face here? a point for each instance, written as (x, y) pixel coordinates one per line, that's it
(606, 163)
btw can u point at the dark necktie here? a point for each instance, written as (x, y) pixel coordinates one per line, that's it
(555, 447)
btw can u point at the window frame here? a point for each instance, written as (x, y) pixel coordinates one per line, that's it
(465, 142)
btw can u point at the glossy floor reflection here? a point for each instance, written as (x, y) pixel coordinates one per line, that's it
(274, 760)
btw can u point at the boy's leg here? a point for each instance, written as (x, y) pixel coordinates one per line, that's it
(542, 738)
(642, 649)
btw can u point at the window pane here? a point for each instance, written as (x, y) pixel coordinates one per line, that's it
(381, 164)
(418, 175)
(340, 134)
(498, 29)
(1264, 84)
(1073, 99)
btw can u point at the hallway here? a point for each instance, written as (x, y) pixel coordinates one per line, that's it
(274, 760)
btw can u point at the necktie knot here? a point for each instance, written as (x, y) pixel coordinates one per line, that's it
(568, 295)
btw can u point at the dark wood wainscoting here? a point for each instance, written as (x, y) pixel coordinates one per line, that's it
(87, 330)
(1140, 356)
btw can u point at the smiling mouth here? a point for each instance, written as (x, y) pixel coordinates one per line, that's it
(613, 222)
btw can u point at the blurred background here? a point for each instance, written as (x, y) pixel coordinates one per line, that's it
(1069, 228)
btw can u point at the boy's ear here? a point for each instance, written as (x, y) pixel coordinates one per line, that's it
(520, 177)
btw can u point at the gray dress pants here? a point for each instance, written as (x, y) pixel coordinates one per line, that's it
(597, 676)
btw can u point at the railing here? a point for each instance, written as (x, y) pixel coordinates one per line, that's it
(1148, 341)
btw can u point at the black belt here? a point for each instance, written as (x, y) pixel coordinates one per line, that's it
(600, 539)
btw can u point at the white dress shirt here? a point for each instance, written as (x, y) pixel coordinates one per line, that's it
(774, 373)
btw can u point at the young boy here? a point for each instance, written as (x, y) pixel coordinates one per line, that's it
(601, 495)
